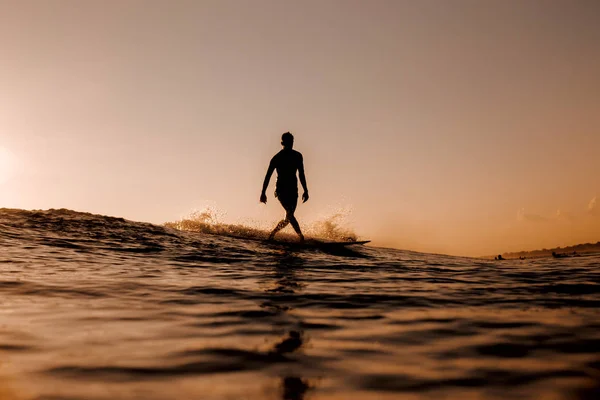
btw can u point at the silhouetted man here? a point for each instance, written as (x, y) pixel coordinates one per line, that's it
(287, 162)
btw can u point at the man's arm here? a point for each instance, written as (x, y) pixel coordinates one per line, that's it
(303, 179)
(263, 195)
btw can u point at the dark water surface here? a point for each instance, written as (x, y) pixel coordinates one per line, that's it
(93, 307)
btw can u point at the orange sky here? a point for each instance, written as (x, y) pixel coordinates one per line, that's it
(462, 127)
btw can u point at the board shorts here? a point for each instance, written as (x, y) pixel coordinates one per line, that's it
(288, 198)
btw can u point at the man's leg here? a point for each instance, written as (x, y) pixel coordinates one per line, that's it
(289, 204)
(290, 209)
(292, 219)
(282, 224)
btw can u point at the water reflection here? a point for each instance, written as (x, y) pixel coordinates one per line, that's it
(284, 279)
(294, 388)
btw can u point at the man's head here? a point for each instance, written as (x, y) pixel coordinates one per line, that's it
(287, 140)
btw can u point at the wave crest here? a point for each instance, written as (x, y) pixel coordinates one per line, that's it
(209, 220)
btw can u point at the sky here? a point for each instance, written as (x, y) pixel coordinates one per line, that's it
(462, 127)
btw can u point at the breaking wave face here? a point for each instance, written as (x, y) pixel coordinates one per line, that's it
(209, 220)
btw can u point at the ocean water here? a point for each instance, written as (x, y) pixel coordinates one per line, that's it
(93, 307)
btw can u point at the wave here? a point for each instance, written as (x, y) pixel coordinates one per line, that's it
(94, 305)
(208, 220)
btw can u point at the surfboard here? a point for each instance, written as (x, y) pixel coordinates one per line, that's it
(317, 243)
(346, 243)
(308, 243)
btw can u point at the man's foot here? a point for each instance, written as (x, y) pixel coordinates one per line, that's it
(301, 238)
